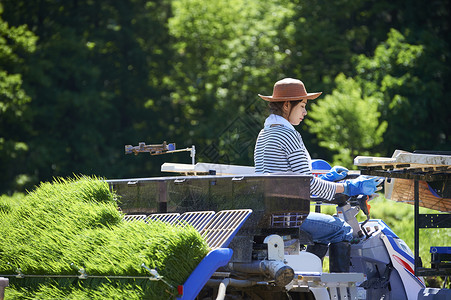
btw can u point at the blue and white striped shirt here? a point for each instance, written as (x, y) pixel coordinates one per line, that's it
(281, 149)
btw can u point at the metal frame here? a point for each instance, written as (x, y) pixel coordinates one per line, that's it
(420, 220)
(217, 229)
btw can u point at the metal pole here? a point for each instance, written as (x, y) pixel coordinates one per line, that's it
(417, 228)
(193, 154)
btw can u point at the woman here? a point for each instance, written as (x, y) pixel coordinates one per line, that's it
(279, 148)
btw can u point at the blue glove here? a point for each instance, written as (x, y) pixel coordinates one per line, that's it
(336, 173)
(362, 185)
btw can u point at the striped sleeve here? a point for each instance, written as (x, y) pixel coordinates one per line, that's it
(322, 188)
(318, 187)
(280, 149)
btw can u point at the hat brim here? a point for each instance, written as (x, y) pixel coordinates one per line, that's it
(309, 96)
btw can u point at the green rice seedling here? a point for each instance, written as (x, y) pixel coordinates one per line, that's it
(73, 227)
(101, 292)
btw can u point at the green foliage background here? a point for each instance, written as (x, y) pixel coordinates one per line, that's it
(81, 79)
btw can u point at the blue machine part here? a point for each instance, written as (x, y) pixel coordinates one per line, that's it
(319, 164)
(405, 265)
(404, 256)
(218, 233)
(196, 281)
(440, 250)
(434, 294)
(384, 228)
(373, 256)
(171, 147)
(393, 239)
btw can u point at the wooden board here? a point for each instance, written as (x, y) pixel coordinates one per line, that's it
(402, 190)
(402, 159)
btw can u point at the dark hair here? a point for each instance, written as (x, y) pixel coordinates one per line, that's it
(277, 107)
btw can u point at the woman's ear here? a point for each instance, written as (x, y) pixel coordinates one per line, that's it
(286, 106)
(286, 109)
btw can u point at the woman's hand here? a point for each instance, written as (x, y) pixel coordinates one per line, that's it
(362, 185)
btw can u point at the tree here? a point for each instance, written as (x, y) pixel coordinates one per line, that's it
(328, 35)
(96, 83)
(347, 121)
(226, 53)
(413, 93)
(105, 74)
(14, 101)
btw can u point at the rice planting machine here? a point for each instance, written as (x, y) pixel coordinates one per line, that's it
(251, 224)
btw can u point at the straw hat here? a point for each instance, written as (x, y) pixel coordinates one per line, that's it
(289, 89)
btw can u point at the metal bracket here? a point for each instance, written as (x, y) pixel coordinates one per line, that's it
(275, 247)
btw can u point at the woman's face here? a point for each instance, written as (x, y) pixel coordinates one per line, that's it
(298, 112)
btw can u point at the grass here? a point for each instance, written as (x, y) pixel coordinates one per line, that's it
(69, 225)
